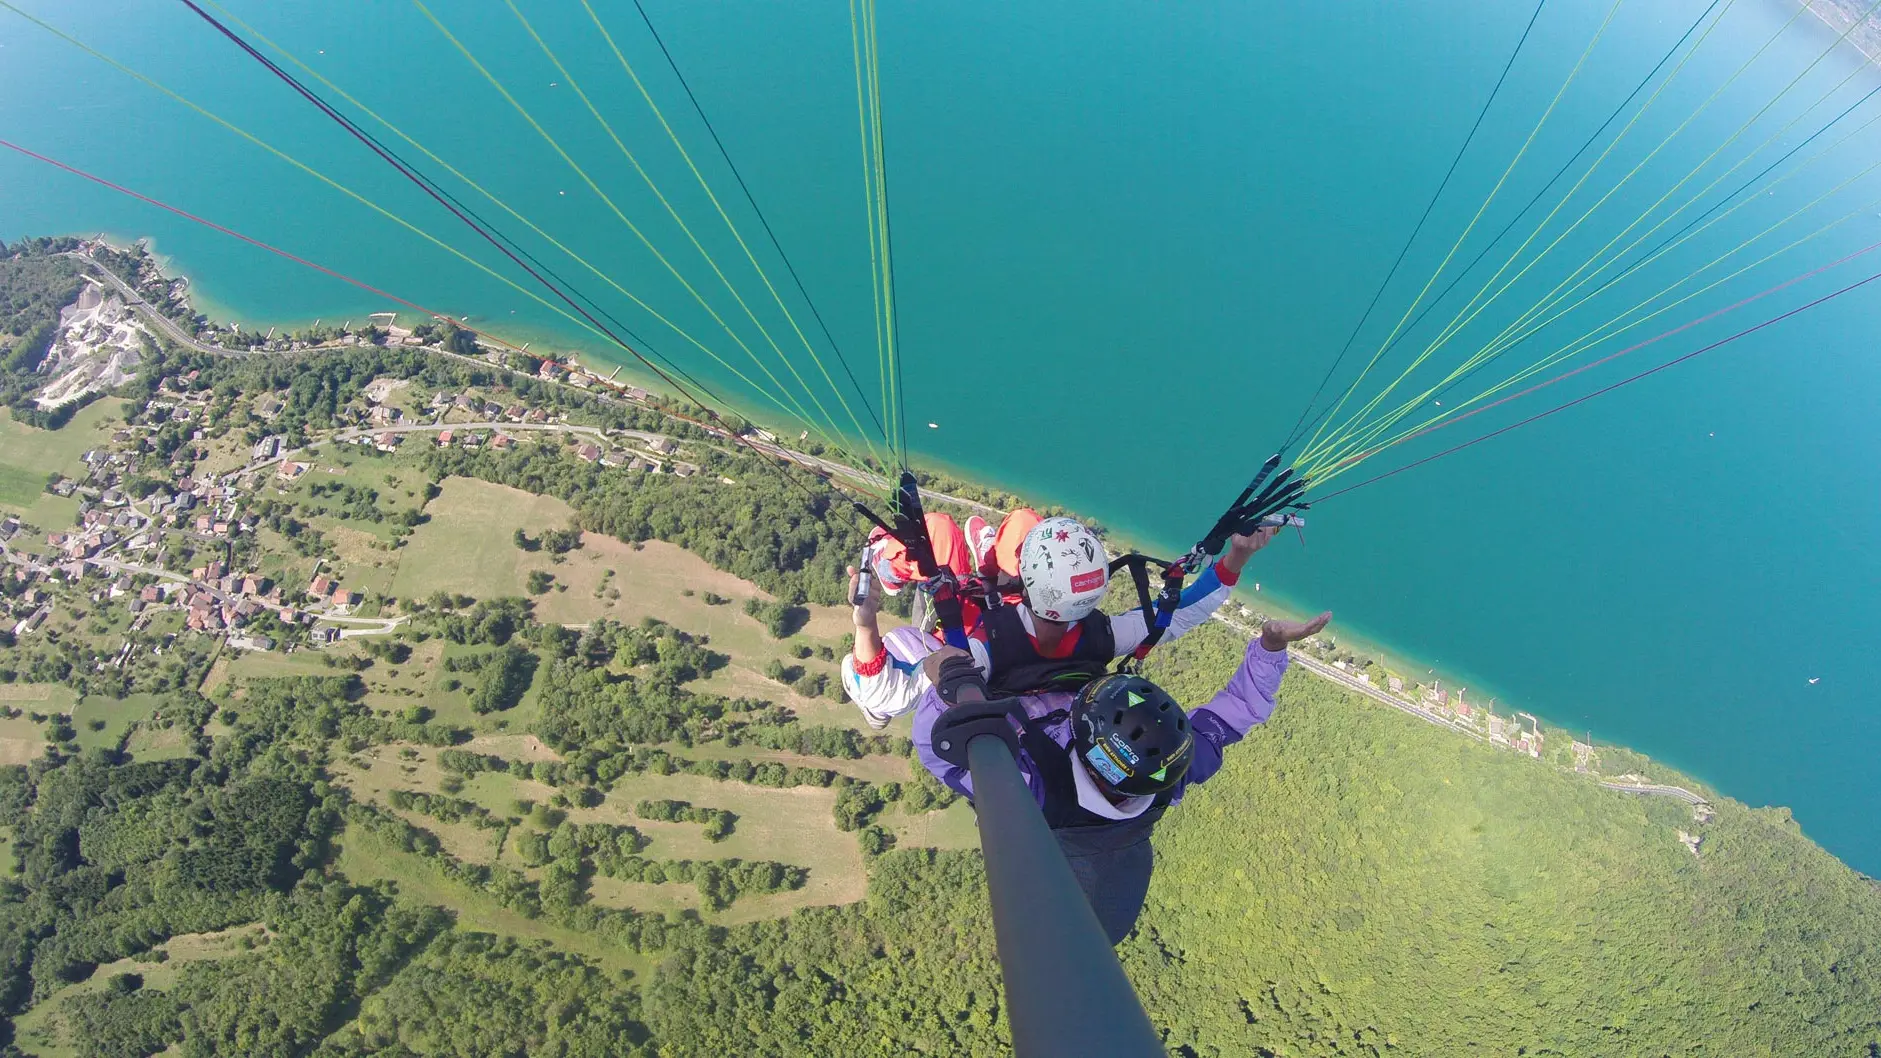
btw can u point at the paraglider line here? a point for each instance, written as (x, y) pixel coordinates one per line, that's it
(1559, 173)
(750, 198)
(1294, 434)
(405, 171)
(1649, 372)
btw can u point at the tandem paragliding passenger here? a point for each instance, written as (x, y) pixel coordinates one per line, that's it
(1106, 762)
(1044, 630)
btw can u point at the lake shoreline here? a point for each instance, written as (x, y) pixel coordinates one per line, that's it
(1255, 595)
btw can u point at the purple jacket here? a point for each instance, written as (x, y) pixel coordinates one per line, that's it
(1246, 701)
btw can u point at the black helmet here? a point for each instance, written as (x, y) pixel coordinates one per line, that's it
(1134, 737)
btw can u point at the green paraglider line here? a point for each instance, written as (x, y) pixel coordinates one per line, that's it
(573, 303)
(1300, 426)
(1648, 373)
(1591, 139)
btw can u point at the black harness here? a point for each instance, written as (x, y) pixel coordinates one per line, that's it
(1018, 667)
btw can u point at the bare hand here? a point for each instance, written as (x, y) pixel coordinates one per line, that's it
(1275, 635)
(870, 605)
(1242, 546)
(930, 665)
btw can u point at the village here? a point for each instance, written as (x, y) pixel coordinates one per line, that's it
(177, 536)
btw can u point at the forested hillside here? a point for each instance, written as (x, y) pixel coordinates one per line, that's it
(1358, 882)
(599, 798)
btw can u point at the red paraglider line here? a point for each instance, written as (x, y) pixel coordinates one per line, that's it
(777, 461)
(1610, 388)
(1733, 307)
(277, 251)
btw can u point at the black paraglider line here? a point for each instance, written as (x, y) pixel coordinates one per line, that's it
(1674, 237)
(1649, 372)
(1559, 173)
(1297, 432)
(776, 244)
(444, 200)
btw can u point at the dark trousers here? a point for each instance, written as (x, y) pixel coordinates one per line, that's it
(1112, 864)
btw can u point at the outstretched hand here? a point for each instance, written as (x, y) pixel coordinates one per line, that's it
(1275, 635)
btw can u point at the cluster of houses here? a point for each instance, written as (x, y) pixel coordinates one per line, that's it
(327, 590)
(622, 457)
(1503, 731)
(175, 401)
(475, 439)
(488, 410)
(25, 610)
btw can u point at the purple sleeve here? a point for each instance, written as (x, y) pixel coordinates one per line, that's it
(1248, 700)
(926, 712)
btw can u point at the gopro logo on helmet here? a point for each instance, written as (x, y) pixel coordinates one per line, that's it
(1102, 763)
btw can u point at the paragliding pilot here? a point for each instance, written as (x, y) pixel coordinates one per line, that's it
(1049, 632)
(1105, 763)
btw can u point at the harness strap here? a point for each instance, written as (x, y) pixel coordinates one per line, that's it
(1157, 612)
(941, 585)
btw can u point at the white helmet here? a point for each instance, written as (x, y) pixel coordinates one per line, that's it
(1065, 569)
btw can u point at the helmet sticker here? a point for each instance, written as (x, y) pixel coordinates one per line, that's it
(1102, 763)
(1135, 698)
(1087, 580)
(1122, 751)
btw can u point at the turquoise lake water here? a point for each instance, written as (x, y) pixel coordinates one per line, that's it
(1129, 238)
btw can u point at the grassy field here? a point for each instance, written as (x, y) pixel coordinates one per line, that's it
(44, 451)
(468, 546)
(366, 544)
(38, 697)
(27, 455)
(8, 869)
(952, 827)
(38, 1032)
(117, 716)
(362, 562)
(263, 664)
(20, 488)
(792, 825)
(279, 562)
(150, 742)
(364, 858)
(387, 769)
(21, 740)
(47, 512)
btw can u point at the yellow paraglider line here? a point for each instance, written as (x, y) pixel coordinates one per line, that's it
(1573, 74)
(704, 185)
(821, 427)
(504, 206)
